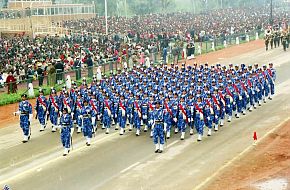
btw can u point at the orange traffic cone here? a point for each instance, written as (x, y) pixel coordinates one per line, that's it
(255, 137)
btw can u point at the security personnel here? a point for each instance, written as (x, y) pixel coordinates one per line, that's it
(41, 109)
(53, 109)
(122, 114)
(107, 114)
(66, 130)
(88, 117)
(25, 112)
(158, 130)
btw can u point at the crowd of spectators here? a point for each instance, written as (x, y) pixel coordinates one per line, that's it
(139, 39)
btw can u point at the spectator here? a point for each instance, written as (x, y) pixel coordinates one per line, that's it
(11, 82)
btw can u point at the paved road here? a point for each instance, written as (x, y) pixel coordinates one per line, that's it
(128, 162)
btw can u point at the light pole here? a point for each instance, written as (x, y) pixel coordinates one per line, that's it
(126, 8)
(271, 13)
(106, 16)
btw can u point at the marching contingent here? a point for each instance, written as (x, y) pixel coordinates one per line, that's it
(160, 100)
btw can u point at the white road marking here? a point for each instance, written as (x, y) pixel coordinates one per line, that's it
(76, 150)
(238, 156)
(130, 167)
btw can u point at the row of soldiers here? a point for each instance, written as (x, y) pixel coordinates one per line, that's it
(275, 36)
(160, 99)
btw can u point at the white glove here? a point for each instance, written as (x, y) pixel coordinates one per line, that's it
(231, 99)
(184, 116)
(123, 113)
(175, 119)
(93, 120)
(109, 113)
(60, 113)
(30, 117)
(44, 108)
(139, 114)
(68, 110)
(201, 116)
(56, 110)
(211, 110)
(16, 113)
(240, 97)
(59, 128)
(192, 120)
(72, 131)
(144, 116)
(153, 125)
(151, 121)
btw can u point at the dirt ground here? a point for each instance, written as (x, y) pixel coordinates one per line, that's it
(266, 167)
(212, 57)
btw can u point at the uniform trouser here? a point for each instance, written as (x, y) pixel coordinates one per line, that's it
(53, 116)
(181, 124)
(87, 127)
(40, 80)
(229, 109)
(251, 99)
(41, 118)
(238, 106)
(137, 121)
(222, 112)
(78, 74)
(167, 123)
(24, 124)
(284, 45)
(78, 119)
(190, 123)
(199, 125)
(266, 44)
(276, 42)
(208, 120)
(260, 95)
(271, 43)
(216, 117)
(106, 121)
(266, 90)
(272, 88)
(122, 121)
(65, 137)
(130, 117)
(244, 102)
(158, 133)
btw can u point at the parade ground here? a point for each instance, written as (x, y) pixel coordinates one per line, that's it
(229, 159)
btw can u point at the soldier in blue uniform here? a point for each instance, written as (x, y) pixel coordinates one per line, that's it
(122, 114)
(88, 117)
(107, 114)
(53, 108)
(25, 112)
(158, 130)
(79, 103)
(41, 110)
(182, 117)
(137, 114)
(66, 130)
(199, 117)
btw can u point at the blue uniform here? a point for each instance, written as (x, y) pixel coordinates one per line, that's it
(25, 110)
(107, 113)
(158, 131)
(53, 109)
(87, 114)
(41, 109)
(66, 124)
(198, 117)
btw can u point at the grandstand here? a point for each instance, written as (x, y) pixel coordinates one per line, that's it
(36, 17)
